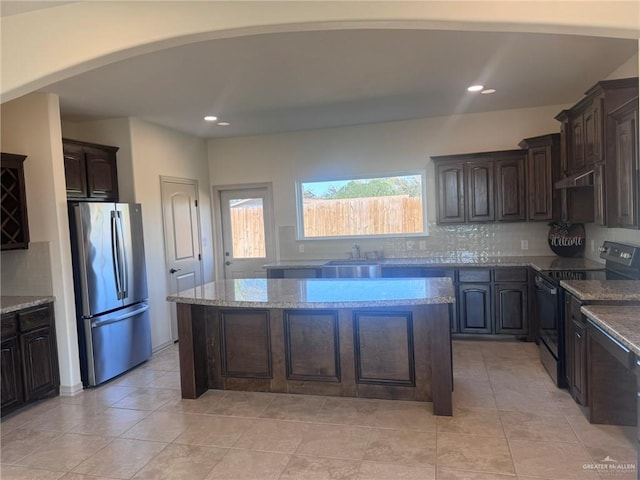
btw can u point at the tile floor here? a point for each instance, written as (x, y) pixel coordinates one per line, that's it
(510, 422)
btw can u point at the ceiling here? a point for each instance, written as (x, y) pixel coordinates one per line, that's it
(308, 80)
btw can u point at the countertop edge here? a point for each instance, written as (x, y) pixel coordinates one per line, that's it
(603, 290)
(444, 300)
(14, 303)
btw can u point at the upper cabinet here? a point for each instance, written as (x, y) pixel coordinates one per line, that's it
(510, 189)
(481, 187)
(597, 151)
(450, 178)
(90, 171)
(626, 164)
(543, 169)
(15, 224)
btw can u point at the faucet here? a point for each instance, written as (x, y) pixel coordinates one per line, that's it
(355, 248)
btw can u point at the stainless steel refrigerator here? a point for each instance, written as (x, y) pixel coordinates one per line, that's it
(114, 330)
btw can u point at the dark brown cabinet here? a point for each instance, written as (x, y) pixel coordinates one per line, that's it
(579, 353)
(510, 194)
(480, 187)
(627, 168)
(511, 300)
(575, 350)
(39, 358)
(479, 193)
(586, 134)
(90, 171)
(15, 224)
(474, 299)
(511, 308)
(543, 170)
(599, 194)
(475, 307)
(450, 178)
(592, 120)
(493, 301)
(29, 357)
(599, 135)
(11, 393)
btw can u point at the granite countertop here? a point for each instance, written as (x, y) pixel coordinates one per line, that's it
(622, 322)
(604, 290)
(538, 263)
(10, 304)
(320, 293)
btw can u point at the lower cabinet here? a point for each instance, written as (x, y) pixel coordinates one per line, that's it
(475, 307)
(511, 308)
(494, 301)
(575, 349)
(29, 357)
(579, 362)
(11, 393)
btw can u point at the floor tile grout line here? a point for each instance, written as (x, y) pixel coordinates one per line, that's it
(504, 431)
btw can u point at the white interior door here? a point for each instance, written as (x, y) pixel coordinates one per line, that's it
(181, 218)
(247, 238)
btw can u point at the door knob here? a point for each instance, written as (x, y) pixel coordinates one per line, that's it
(227, 263)
(174, 270)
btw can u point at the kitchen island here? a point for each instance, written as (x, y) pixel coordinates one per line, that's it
(375, 338)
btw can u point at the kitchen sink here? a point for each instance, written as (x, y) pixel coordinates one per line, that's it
(351, 269)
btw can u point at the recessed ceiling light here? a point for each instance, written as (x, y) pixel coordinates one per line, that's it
(475, 88)
(487, 91)
(210, 118)
(223, 124)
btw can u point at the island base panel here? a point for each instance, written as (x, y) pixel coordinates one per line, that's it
(192, 350)
(343, 341)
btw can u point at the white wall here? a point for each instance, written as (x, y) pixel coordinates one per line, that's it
(31, 126)
(159, 151)
(148, 151)
(382, 148)
(627, 69)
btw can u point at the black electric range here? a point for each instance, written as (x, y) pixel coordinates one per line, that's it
(622, 262)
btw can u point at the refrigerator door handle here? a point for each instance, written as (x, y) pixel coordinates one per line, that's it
(115, 255)
(122, 257)
(130, 313)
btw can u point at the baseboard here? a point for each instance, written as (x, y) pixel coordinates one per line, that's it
(70, 391)
(162, 347)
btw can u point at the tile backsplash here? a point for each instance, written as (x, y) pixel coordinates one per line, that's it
(443, 241)
(27, 272)
(598, 235)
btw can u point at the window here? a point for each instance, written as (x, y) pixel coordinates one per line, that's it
(393, 205)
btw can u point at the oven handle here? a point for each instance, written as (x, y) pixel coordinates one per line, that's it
(542, 284)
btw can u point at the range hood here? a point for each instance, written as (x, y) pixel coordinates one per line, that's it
(582, 179)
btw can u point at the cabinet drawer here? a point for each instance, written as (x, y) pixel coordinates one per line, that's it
(474, 275)
(9, 325)
(510, 275)
(35, 318)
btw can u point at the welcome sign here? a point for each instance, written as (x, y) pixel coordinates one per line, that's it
(567, 239)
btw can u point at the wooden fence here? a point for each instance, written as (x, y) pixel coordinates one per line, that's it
(362, 216)
(332, 218)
